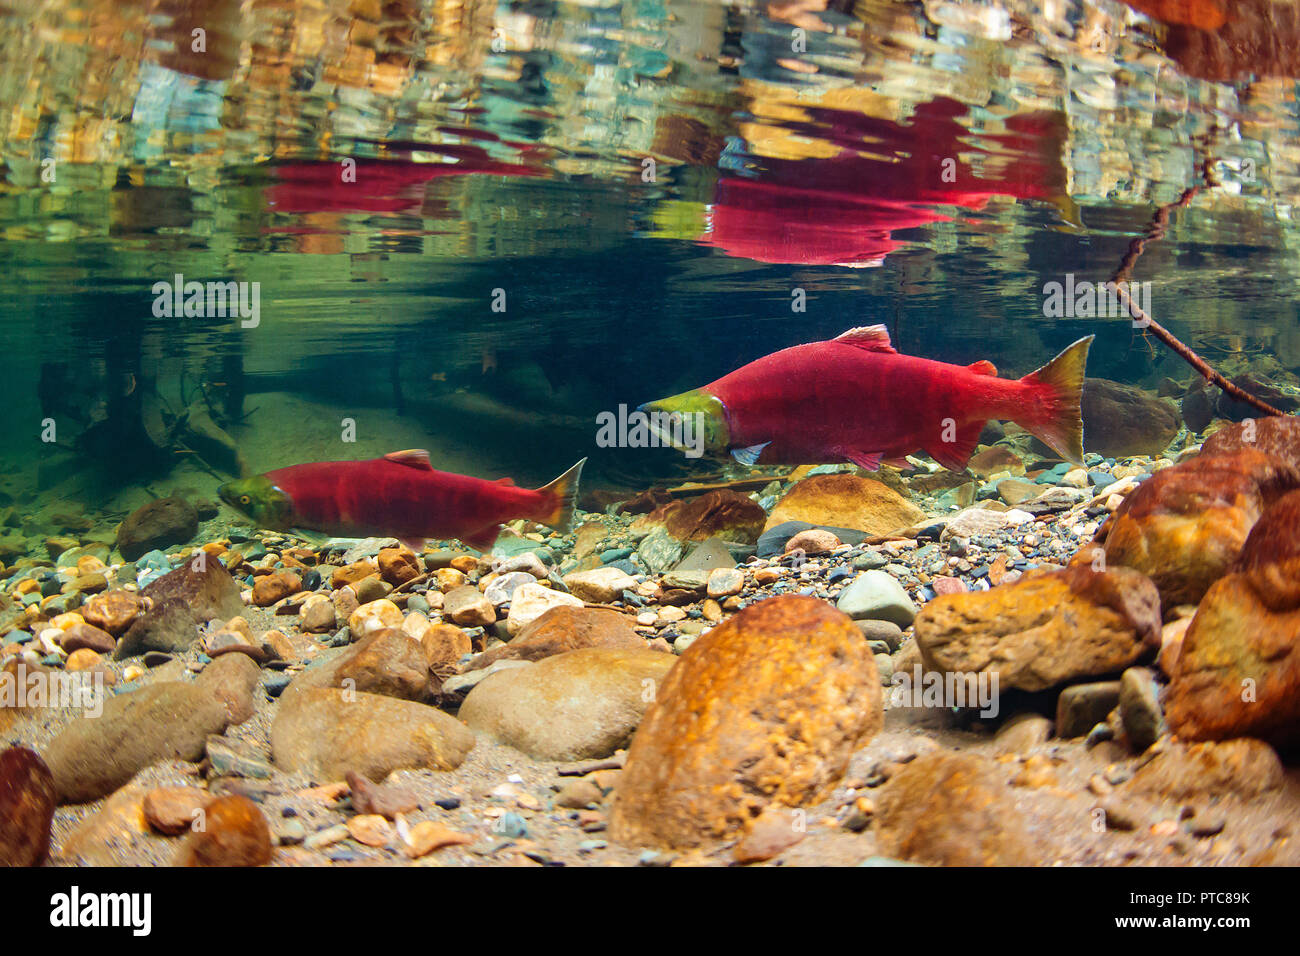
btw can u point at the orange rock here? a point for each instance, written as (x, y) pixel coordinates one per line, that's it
(427, 836)
(1238, 672)
(370, 829)
(399, 565)
(274, 587)
(173, 810)
(445, 644)
(464, 563)
(763, 711)
(113, 611)
(352, 573)
(1043, 630)
(1185, 525)
(234, 834)
(1276, 435)
(846, 501)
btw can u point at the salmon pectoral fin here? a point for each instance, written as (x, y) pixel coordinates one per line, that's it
(485, 539)
(1055, 393)
(560, 498)
(955, 452)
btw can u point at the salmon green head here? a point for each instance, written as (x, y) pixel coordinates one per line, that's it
(261, 500)
(693, 422)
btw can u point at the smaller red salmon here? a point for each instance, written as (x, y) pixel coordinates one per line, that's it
(399, 495)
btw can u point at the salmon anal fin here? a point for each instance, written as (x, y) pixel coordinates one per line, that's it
(873, 338)
(983, 367)
(870, 460)
(415, 544)
(411, 457)
(954, 454)
(484, 539)
(900, 462)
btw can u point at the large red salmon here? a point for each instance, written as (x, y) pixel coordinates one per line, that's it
(855, 399)
(399, 495)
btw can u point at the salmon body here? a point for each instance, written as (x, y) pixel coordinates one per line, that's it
(399, 495)
(855, 399)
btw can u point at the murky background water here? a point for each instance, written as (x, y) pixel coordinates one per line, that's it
(473, 225)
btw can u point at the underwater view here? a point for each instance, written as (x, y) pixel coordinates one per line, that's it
(649, 433)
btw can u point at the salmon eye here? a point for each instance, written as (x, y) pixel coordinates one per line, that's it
(244, 499)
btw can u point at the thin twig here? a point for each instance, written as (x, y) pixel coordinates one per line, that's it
(1159, 225)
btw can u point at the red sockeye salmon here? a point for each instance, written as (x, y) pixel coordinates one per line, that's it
(855, 399)
(399, 495)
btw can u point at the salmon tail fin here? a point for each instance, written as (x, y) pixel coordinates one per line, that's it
(1058, 391)
(561, 498)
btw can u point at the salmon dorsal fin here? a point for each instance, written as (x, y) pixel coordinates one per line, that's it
(411, 457)
(873, 338)
(508, 482)
(983, 367)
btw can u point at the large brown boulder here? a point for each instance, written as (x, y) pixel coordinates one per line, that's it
(719, 513)
(846, 501)
(573, 706)
(763, 711)
(1185, 525)
(1043, 630)
(177, 603)
(1238, 674)
(1121, 420)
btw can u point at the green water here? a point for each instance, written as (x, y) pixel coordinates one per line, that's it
(473, 227)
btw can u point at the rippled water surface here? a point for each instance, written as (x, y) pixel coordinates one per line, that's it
(474, 226)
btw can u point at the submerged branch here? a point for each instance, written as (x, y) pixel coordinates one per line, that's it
(1119, 281)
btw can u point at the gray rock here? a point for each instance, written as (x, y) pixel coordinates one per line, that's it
(659, 550)
(1082, 706)
(877, 596)
(886, 631)
(1139, 707)
(707, 555)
